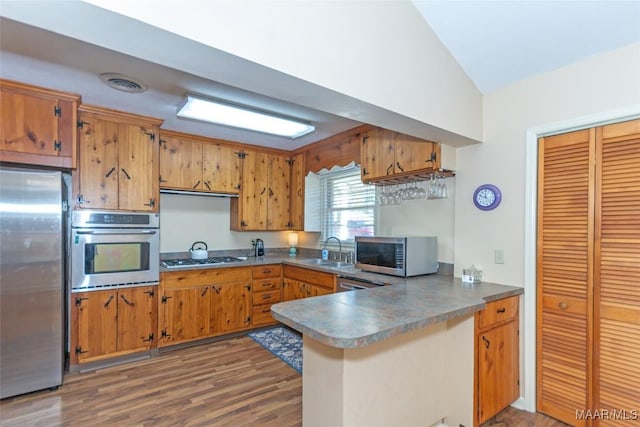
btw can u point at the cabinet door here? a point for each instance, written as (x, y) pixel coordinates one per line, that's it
(220, 169)
(296, 212)
(293, 289)
(136, 314)
(314, 291)
(411, 154)
(230, 306)
(180, 163)
(252, 203)
(617, 269)
(138, 168)
(377, 154)
(278, 193)
(98, 167)
(28, 123)
(95, 323)
(186, 314)
(497, 369)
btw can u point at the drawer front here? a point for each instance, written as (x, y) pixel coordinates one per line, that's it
(262, 316)
(308, 275)
(262, 285)
(263, 271)
(205, 276)
(498, 311)
(269, 297)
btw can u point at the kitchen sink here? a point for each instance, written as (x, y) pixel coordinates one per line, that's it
(326, 263)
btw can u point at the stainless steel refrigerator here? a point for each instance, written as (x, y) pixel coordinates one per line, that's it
(32, 280)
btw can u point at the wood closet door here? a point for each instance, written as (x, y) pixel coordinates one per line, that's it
(617, 272)
(564, 272)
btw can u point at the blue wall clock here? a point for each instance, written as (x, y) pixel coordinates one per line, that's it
(487, 197)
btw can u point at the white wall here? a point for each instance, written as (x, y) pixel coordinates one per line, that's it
(606, 82)
(185, 219)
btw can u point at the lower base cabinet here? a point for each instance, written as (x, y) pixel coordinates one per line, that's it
(266, 290)
(197, 304)
(497, 358)
(112, 323)
(304, 283)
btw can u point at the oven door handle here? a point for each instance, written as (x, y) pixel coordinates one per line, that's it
(105, 232)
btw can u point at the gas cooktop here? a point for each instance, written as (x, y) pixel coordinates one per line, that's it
(187, 262)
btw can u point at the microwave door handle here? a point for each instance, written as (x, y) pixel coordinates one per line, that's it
(104, 232)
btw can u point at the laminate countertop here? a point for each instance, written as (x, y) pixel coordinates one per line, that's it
(359, 318)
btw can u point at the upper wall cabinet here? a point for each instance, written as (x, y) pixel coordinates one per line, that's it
(119, 161)
(190, 163)
(393, 157)
(37, 125)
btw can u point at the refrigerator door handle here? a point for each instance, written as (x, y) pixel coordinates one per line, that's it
(105, 232)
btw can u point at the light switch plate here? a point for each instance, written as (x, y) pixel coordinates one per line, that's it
(499, 256)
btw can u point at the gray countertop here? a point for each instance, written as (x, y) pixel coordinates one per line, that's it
(359, 318)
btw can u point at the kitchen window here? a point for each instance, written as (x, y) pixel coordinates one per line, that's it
(345, 206)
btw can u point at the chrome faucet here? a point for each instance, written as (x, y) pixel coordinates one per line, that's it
(339, 245)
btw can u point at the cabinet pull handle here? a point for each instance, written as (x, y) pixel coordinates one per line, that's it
(196, 184)
(106, 304)
(216, 289)
(263, 190)
(266, 296)
(207, 184)
(267, 310)
(204, 292)
(501, 310)
(270, 192)
(389, 168)
(150, 293)
(126, 301)
(109, 173)
(125, 173)
(487, 343)
(399, 167)
(266, 271)
(149, 339)
(266, 285)
(563, 306)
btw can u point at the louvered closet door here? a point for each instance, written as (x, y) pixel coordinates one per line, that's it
(565, 252)
(617, 273)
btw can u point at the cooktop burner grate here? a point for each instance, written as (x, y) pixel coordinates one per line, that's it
(188, 262)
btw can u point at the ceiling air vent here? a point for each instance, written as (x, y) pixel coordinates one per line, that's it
(123, 83)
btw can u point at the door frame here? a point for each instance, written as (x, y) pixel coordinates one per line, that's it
(530, 233)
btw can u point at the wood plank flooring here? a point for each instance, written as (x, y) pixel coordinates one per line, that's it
(233, 382)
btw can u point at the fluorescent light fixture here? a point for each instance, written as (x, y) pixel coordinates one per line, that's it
(220, 112)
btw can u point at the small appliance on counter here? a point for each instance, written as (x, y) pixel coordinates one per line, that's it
(259, 248)
(397, 256)
(199, 253)
(471, 275)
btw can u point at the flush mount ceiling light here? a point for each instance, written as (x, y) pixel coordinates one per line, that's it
(221, 112)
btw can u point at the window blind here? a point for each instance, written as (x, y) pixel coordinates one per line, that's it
(347, 206)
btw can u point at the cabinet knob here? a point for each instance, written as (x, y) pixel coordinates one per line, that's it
(563, 306)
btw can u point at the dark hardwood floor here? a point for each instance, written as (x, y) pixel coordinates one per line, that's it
(233, 382)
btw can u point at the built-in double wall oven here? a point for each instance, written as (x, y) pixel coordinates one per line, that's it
(114, 249)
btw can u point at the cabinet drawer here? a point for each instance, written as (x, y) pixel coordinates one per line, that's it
(263, 271)
(269, 297)
(314, 277)
(262, 316)
(266, 285)
(498, 311)
(205, 276)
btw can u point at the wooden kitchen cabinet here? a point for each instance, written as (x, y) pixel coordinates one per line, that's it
(37, 125)
(296, 211)
(112, 323)
(192, 163)
(266, 290)
(387, 155)
(264, 202)
(304, 283)
(119, 161)
(196, 304)
(497, 358)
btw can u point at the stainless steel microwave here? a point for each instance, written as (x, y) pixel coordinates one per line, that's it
(397, 256)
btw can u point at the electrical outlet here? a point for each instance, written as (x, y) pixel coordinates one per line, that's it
(499, 256)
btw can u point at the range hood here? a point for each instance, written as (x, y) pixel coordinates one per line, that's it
(196, 193)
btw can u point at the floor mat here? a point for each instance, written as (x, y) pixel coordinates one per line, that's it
(283, 343)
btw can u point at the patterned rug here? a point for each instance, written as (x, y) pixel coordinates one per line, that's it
(282, 342)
